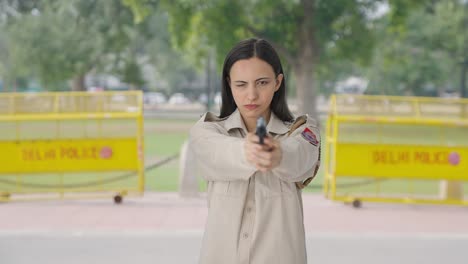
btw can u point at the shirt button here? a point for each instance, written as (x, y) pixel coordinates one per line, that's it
(246, 235)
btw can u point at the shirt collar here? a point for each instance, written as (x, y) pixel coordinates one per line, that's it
(275, 125)
(235, 121)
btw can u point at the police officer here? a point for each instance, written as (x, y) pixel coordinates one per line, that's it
(254, 190)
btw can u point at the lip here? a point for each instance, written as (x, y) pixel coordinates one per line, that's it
(251, 106)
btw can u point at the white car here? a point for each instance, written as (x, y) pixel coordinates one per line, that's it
(152, 98)
(178, 98)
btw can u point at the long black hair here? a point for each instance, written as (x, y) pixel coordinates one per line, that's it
(263, 50)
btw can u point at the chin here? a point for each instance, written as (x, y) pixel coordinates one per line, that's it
(252, 114)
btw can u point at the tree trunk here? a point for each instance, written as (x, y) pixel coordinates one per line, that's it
(463, 92)
(464, 68)
(78, 83)
(208, 82)
(306, 95)
(306, 60)
(14, 85)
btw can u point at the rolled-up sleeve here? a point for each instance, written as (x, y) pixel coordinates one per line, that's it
(300, 154)
(220, 157)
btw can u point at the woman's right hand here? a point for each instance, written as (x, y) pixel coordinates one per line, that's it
(251, 148)
(261, 156)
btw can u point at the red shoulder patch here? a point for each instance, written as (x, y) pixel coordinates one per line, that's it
(308, 135)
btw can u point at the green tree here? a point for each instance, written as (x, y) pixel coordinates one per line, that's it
(63, 40)
(424, 58)
(306, 33)
(11, 76)
(171, 66)
(309, 34)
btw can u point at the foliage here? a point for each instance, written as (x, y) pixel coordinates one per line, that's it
(424, 58)
(60, 40)
(415, 48)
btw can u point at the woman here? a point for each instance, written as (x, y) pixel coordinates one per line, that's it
(254, 197)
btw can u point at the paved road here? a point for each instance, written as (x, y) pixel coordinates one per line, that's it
(168, 211)
(165, 228)
(183, 246)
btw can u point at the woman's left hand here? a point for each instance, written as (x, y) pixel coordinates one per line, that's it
(269, 157)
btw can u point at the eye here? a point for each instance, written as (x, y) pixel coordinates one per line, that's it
(262, 82)
(240, 85)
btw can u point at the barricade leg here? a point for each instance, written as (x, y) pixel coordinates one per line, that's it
(451, 190)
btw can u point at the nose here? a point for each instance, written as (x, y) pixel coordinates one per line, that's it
(252, 93)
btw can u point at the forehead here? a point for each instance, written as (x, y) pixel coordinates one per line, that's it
(251, 69)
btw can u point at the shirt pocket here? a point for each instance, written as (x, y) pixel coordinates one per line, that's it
(270, 186)
(228, 188)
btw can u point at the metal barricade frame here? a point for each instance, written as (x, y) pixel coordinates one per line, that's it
(71, 145)
(394, 157)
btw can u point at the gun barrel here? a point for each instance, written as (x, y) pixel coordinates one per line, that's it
(261, 129)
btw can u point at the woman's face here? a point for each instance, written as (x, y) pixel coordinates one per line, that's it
(253, 84)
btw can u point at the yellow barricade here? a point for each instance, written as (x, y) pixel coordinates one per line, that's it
(396, 149)
(71, 145)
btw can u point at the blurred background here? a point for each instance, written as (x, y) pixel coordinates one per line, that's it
(173, 50)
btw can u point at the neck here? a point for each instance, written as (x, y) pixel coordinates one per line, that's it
(251, 123)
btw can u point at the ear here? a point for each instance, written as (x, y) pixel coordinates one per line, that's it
(279, 80)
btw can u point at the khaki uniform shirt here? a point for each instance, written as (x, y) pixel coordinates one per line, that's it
(254, 217)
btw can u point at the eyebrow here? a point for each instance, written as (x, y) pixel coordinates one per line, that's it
(259, 79)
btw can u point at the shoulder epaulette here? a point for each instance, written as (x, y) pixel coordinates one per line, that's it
(297, 123)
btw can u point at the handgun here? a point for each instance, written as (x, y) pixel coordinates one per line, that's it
(261, 131)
